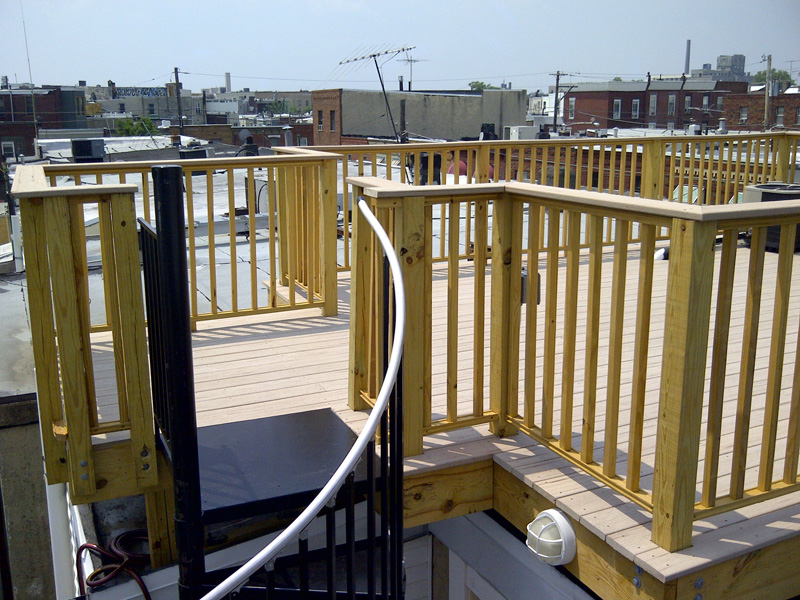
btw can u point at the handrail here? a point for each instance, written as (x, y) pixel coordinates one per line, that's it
(269, 552)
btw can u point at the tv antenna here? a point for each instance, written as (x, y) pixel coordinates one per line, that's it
(374, 56)
(410, 61)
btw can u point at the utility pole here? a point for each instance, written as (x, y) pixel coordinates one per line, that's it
(555, 108)
(767, 79)
(178, 96)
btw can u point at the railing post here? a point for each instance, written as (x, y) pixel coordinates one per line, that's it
(691, 265)
(409, 242)
(652, 185)
(328, 250)
(783, 159)
(360, 306)
(40, 305)
(505, 313)
(74, 350)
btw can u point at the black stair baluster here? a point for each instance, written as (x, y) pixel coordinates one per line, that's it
(371, 520)
(304, 585)
(330, 559)
(350, 535)
(384, 487)
(270, 587)
(397, 472)
(386, 532)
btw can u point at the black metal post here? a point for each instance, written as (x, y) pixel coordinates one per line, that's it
(179, 370)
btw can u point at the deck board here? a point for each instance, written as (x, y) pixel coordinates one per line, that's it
(270, 365)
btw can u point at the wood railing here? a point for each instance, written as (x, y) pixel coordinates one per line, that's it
(288, 258)
(615, 369)
(58, 296)
(691, 169)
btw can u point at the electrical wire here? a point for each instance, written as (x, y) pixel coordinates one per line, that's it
(123, 560)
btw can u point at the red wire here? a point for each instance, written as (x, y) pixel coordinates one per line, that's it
(123, 561)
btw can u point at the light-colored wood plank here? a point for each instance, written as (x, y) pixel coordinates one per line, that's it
(40, 306)
(73, 355)
(682, 380)
(132, 330)
(747, 365)
(776, 355)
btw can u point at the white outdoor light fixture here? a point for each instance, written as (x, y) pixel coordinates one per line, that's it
(551, 537)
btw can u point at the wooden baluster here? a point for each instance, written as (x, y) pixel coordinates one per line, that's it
(783, 285)
(647, 234)
(328, 246)
(361, 300)
(595, 283)
(719, 360)
(748, 361)
(573, 227)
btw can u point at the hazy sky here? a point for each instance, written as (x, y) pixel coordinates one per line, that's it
(297, 44)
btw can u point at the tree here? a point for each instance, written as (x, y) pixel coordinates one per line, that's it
(129, 127)
(479, 86)
(775, 75)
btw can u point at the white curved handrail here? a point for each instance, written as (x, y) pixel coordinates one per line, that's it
(241, 575)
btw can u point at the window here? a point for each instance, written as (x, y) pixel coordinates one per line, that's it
(719, 103)
(779, 116)
(151, 109)
(635, 109)
(80, 105)
(797, 117)
(705, 102)
(333, 120)
(687, 103)
(671, 105)
(319, 120)
(572, 108)
(617, 108)
(653, 104)
(121, 107)
(743, 115)
(8, 149)
(671, 125)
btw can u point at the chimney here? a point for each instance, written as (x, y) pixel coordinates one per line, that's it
(400, 81)
(228, 82)
(688, 55)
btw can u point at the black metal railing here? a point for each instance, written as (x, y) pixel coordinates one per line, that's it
(372, 565)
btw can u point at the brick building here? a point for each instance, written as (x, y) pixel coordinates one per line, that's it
(657, 104)
(340, 114)
(25, 110)
(745, 112)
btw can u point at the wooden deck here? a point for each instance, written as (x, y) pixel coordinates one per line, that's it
(248, 368)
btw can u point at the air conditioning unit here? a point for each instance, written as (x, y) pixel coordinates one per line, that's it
(771, 192)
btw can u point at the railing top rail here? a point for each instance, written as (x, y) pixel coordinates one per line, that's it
(349, 463)
(30, 182)
(587, 201)
(378, 188)
(295, 158)
(394, 147)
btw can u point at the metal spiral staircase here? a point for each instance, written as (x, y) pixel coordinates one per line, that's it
(346, 489)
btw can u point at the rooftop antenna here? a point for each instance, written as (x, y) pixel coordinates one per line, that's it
(374, 56)
(410, 61)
